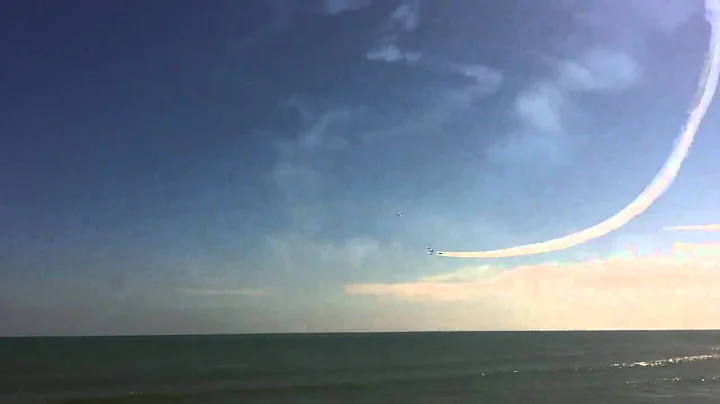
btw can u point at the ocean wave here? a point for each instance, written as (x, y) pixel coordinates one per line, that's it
(682, 380)
(372, 383)
(680, 388)
(668, 361)
(243, 370)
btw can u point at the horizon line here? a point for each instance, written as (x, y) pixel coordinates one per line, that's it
(319, 333)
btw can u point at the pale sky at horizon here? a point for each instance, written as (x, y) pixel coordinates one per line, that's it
(172, 167)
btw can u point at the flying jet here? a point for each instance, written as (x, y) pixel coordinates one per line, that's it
(399, 214)
(430, 251)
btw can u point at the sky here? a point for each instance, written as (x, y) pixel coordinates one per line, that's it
(232, 167)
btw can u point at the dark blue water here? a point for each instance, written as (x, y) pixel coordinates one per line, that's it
(483, 368)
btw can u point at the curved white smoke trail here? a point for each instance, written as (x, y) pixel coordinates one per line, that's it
(663, 179)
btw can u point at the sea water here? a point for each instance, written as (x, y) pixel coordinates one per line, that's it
(433, 367)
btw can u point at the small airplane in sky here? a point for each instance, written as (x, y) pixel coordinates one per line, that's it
(399, 214)
(430, 251)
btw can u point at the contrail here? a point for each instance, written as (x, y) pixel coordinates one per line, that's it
(663, 179)
(695, 227)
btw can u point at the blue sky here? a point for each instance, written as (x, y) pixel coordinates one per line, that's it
(174, 167)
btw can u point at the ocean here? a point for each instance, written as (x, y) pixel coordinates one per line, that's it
(431, 367)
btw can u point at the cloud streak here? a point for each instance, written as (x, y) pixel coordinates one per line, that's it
(697, 227)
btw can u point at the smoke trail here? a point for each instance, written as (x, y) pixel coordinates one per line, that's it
(696, 227)
(663, 179)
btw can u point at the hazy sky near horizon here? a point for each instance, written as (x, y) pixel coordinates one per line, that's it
(183, 167)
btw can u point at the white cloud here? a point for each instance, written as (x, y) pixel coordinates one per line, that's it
(541, 138)
(391, 53)
(482, 74)
(670, 290)
(407, 15)
(447, 103)
(489, 78)
(599, 69)
(544, 106)
(540, 107)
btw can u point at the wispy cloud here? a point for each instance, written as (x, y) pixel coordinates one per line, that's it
(403, 20)
(335, 7)
(300, 174)
(390, 52)
(486, 80)
(297, 175)
(406, 15)
(484, 77)
(606, 65)
(675, 289)
(544, 106)
(600, 70)
(481, 74)
(636, 18)
(285, 13)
